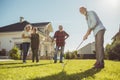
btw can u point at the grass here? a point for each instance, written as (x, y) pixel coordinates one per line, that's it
(45, 70)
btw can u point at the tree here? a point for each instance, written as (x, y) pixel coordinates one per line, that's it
(67, 55)
(71, 55)
(116, 49)
(113, 51)
(107, 51)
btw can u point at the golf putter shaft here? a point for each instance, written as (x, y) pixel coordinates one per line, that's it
(79, 45)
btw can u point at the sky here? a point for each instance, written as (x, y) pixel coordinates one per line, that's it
(66, 13)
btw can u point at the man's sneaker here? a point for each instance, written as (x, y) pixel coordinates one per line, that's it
(96, 63)
(100, 66)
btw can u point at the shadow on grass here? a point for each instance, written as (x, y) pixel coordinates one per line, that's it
(25, 65)
(13, 63)
(77, 76)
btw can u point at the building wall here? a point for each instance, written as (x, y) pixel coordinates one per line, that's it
(9, 39)
(86, 52)
(88, 49)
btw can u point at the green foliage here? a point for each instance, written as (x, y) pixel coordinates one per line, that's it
(67, 55)
(14, 53)
(71, 55)
(3, 52)
(107, 51)
(113, 51)
(74, 70)
(74, 55)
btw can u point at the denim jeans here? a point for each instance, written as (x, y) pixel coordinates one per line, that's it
(25, 48)
(61, 48)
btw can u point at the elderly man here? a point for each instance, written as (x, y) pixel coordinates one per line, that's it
(60, 36)
(95, 25)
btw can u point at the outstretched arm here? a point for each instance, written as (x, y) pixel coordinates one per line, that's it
(87, 34)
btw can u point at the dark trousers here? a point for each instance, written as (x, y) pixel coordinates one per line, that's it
(99, 41)
(25, 48)
(35, 55)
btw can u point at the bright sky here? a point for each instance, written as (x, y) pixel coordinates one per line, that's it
(65, 12)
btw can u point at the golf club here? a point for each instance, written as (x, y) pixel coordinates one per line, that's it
(63, 65)
(79, 44)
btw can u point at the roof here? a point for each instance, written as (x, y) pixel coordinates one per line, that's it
(14, 27)
(20, 26)
(89, 44)
(40, 24)
(118, 33)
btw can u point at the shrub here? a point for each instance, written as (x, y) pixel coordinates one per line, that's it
(116, 50)
(14, 53)
(107, 51)
(3, 52)
(67, 55)
(74, 55)
(113, 51)
(71, 55)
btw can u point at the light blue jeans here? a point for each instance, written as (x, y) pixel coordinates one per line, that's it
(61, 49)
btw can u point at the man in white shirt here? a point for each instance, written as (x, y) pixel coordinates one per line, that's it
(95, 25)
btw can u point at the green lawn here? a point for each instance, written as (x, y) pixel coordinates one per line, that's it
(45, 70)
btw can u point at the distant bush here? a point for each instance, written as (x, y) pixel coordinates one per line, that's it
(14, 53)
(3, 52)
(67, 55)
(71, 55)
(74, 55)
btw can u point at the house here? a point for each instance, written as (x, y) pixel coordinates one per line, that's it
(10, 36)
(117, 35)
(88, 51)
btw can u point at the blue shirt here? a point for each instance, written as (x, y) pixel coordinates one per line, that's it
(94, 22)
